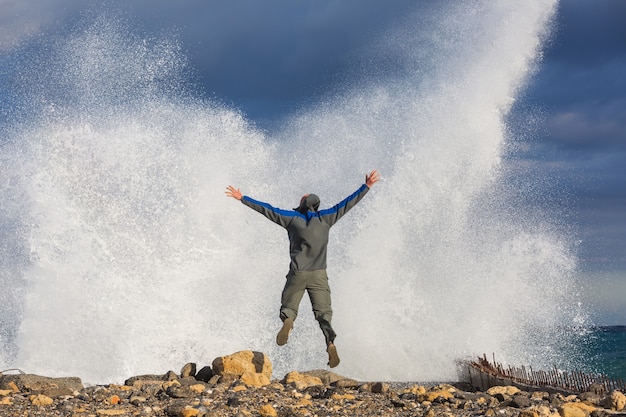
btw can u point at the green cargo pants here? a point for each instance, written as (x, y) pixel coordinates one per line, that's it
(316, 284)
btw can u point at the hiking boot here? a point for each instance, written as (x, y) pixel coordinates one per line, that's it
(333, 357)
(283, 335)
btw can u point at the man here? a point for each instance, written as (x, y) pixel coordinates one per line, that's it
(308, 229)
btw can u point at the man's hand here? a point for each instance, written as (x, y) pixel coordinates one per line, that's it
(372, 178)
(234, 193)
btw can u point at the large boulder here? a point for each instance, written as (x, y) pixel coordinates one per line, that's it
(615, 401)
(241, 362)
(42, 385)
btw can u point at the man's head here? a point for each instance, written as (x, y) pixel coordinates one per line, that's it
(308, 202)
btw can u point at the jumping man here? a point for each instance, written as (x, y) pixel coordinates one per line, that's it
(308, 229)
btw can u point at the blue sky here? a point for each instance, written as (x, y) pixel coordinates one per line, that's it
(270, 60)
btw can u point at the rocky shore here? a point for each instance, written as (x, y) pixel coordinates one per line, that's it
(240, 385)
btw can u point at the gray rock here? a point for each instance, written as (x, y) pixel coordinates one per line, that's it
(590, 397)
(137, 400)
(205, 374)
(151, 377)
(380, 387)
(347, 383)
(188, 370)
(176, 391)
(171, 376)
(597, 389)
(327, 377)
(52, 387)
(520, 401)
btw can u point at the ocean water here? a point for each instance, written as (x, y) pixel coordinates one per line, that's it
(605, 348)
(120, 254)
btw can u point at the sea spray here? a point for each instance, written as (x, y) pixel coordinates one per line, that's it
(125, 256)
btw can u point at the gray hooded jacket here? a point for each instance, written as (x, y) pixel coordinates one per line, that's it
(307, 227)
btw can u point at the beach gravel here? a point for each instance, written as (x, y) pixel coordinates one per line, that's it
(314, 393)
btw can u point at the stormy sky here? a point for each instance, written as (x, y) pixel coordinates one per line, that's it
(269, 58)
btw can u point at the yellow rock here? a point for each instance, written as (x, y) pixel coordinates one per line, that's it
(617, 400)
(301, 381)
(304, 402)
(114, 399)
(508, 390)
(120, 387)
(189, 412)
(343, 397)
(433, 395)
(268, 411)
(588, 409)
(11, 385)
(6, 401)
(5, 392)
(571, 410)
(239, 388)
(543, 411)
(417, 389)
(112, 412)
(166, 385)
(241, 362)
(254, 379)
(197, 388)
(528, 413)
(40, 400)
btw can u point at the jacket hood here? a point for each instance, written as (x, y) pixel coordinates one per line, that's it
(310, 203)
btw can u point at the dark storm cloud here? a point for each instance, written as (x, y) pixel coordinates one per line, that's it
(581, 83)
(580, 145)
(589, 32)
(267, 56)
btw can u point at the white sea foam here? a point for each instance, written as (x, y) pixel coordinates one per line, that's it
(123, 256)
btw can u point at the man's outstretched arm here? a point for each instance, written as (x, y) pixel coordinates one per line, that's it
(278, 216)
(333, 214)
